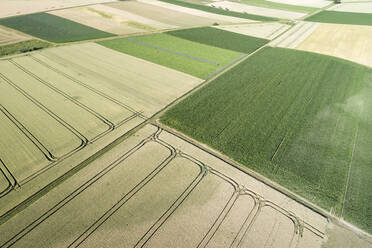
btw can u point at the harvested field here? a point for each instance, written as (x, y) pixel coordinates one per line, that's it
(218, 11)
(57, 103)
(221, 19)
(309, 3)
(8, 36)
(243, 8)
(173, 195)
(52, 28)
(186, 56)
(281, 6)
(221, 38)
(261, 30)
(359, 7)
(297, 34)
(22, 7)
(344, 41)
(342, 17)
(163, 15)
(308, 133)
(110, 20)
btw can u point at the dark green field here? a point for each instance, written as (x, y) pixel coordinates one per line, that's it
(220, 11)
(299, 118)
(22, 47)
(221, 38)
(52, 28)
(342, 18)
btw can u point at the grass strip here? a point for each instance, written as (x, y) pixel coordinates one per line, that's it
(342, 17)
(23, 47)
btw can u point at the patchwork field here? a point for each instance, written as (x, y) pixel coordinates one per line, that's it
(52, 28)
(345, 41)
(308, 130)
(8, 36)
(57, 103)
(243, 8)
(296, 35)
(342, 17)
(309, 3)
(267, 31)
(280, 6)
(221, 38)
(183, 55)
(360, 7)
(23, 7)
(173, 195)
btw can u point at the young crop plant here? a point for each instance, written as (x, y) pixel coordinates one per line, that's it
(53, 28)
(221, 38)
(342, 17)
(307, 127)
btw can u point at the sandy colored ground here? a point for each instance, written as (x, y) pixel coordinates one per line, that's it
(239, 7)
(293, 37)
(110, 19)
(162, 192)
(345, 41)
(221, 18)
(341, 237)
(353, 7)
(22, 7)
(309, 3)
(262, 30)
(163, 15)
(8, 36)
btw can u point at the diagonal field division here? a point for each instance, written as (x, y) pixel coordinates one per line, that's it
(292, 116)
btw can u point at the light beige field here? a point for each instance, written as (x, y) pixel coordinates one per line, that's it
(244, 8)
(8, 36)
(261, 30)
(22, 7)
(156, 190)
(359, 7)
(221, 18)
(61, 105)
(294, 36)
(110, 19)
(308, 3)
(350, 42)
(174, 16)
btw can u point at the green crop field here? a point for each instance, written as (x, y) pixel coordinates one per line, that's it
(221, 38)
(53, 28)
(280, 6)
(22, 47)
(298, 118)
(342, 18)
(220, 11)
(183, 55)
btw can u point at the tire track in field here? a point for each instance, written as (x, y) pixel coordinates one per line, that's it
(12, 181)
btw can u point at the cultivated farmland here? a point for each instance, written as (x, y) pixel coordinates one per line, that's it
(57, 103)
(174, 195)
(52, 28)
(345, 41)
(308, 129)
(342, 18)
(300, 6)
(186, 56)
(360, 7)
(221, 38)
(8, 36)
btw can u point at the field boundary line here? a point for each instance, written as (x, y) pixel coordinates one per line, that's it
(173, 52)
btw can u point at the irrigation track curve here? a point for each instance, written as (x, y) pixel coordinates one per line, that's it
(12, 181)
(205, 170)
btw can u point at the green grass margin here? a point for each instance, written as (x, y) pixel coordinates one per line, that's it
(339, 17)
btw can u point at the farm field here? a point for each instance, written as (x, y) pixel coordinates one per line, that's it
(52, 28)
(8, 36)
(221, 38)
(244, 8)
(186, 56)
(281, 6)
(82, 95)
(267, 31)
(23, 7)
(214, 10)
(173, 194)
(345, 41)
(360, 7)
(308, 133)
(295, 36)
(22, 47)
(308, 3)
(342, 17)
